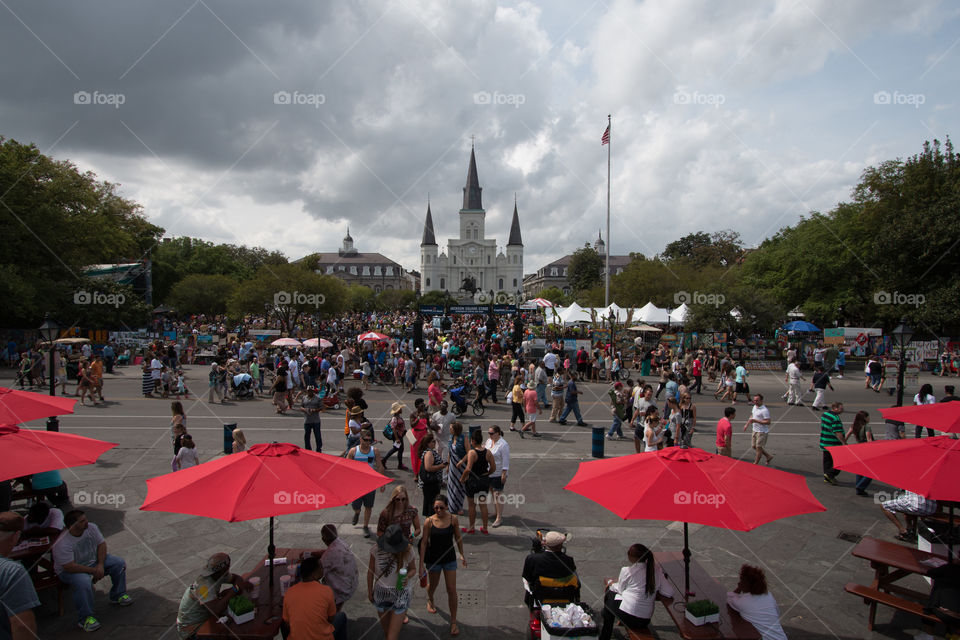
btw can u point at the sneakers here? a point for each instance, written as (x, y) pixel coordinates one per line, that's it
(582, 424)
(123, 601)
(828, 479)
(89, 624)
(366, 532)
(538, 435)
(521, 434)
(356, 517)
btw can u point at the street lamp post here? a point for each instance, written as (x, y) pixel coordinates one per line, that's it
(613, 344)
(902, 336)
(49, 331)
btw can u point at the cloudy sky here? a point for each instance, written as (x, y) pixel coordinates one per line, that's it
(277, 124)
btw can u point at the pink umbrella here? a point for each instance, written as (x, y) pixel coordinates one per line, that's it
(285, 342)
(542, 302)
(317, 343)
(372, 335)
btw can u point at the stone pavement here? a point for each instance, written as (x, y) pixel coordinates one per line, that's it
(806, 562)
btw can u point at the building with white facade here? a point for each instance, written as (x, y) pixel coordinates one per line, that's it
(471, 261)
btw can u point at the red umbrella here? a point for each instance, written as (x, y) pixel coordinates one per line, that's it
(266, 480)
(371, 335)
(927, 466)
(26, 451)
(943, 416)
(18, 406)
(691, 485)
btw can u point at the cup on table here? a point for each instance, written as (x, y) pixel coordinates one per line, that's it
(255, 592)
(285, 584)
(292, 570)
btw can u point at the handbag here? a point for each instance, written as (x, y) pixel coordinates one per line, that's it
(388, 431)
(430, 477)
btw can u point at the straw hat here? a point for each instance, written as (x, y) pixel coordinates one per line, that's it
(397, 407)
(356, 411)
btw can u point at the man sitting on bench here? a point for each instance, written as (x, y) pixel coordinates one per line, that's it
(911, 505)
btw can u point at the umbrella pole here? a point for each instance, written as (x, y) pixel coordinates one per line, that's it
(271, 553)
(686, 563)
(950, 537)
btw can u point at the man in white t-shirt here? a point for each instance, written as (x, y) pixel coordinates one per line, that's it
(793, 378)
(550, 362)
(760, 420)
(79, 559)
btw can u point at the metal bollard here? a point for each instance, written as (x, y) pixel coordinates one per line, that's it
(228, 437)
(598, 434)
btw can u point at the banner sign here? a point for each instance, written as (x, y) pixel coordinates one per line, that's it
(833, 336)
(480, 309)
(431, 310)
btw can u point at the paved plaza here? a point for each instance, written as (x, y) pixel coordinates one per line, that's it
(806, 559)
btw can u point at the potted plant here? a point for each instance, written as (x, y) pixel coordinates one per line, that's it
(701, 612)
(241, 609)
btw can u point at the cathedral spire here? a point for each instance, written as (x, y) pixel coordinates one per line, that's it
(428, 236)
(515, 239)
(471, 192)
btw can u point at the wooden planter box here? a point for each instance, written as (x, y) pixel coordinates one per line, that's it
(699, 621)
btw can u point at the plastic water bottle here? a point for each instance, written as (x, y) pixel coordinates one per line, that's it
(401, 578)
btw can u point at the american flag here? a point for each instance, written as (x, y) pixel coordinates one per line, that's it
(606, 137)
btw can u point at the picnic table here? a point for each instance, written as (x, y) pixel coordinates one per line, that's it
(266, 623)
(731, 626)
(34, 555)
(891, 563)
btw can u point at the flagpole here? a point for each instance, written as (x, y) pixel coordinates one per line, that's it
(606, 279)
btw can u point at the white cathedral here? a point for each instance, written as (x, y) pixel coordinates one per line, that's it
(471, 259)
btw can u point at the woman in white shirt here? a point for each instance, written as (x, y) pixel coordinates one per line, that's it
(652, 431)
(498, 446)
(630, 599)
(755, 604)
(924, 397)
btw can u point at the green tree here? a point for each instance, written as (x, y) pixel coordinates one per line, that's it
(176, 258)
(105, 304)
(585, 270)
(198, 293)
(554, 295)
(55, 221)
(289, 293)
(441, 298)
(394, 299)
(359, 298)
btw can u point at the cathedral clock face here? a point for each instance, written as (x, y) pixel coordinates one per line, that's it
(473, 250)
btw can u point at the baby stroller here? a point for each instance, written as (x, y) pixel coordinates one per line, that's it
(241, 386)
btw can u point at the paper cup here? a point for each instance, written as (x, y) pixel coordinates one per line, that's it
(285, 584)
(255, 592)
(292, 570)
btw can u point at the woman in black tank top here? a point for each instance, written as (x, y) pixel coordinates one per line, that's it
(438, 553)
(478, 465)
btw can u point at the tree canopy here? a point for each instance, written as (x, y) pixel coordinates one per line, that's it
(585, 270)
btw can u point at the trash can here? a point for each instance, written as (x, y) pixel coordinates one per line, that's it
(597, 441)
(228, 437)
(933, 536)
(471, 430)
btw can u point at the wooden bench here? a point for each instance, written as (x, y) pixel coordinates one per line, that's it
(643, 634)
(873, 597)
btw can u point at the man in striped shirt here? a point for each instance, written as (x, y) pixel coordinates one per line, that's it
(831, 435)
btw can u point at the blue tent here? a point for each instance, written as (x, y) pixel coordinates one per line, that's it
(801, 325)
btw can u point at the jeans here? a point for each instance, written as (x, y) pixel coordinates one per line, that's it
(573, 404)
(395, 450)
(616, 428)
(542, 395)
(862, 483)
(82, 585)
(108, 362)
(339, 623)
(314, 428)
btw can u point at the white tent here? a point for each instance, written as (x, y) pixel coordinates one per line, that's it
(618, 312)
(574, 313)
(652, 314)
(679, 315)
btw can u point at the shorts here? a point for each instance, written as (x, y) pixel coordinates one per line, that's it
(758, 440)
(724, 451)
(532, 416)
(742, 387)
(496, 483)
(391, 599)
(442, 566)
(364, 500)
(476, 486)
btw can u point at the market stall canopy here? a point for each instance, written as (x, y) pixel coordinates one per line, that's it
(643, 327)
(618, 312)
(652, 314)
(679, 315)
(574, 314)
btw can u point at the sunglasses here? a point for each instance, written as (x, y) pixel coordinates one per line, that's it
(439, 508)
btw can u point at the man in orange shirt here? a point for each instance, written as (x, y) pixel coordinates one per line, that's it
(96, 375)
(309, 610)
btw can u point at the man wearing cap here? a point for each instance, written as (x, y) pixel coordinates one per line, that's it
(310, 406)
(339, 566)
(550, 573)
(17, 595)
(309, 612)
(202, 599)
(80, 559)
